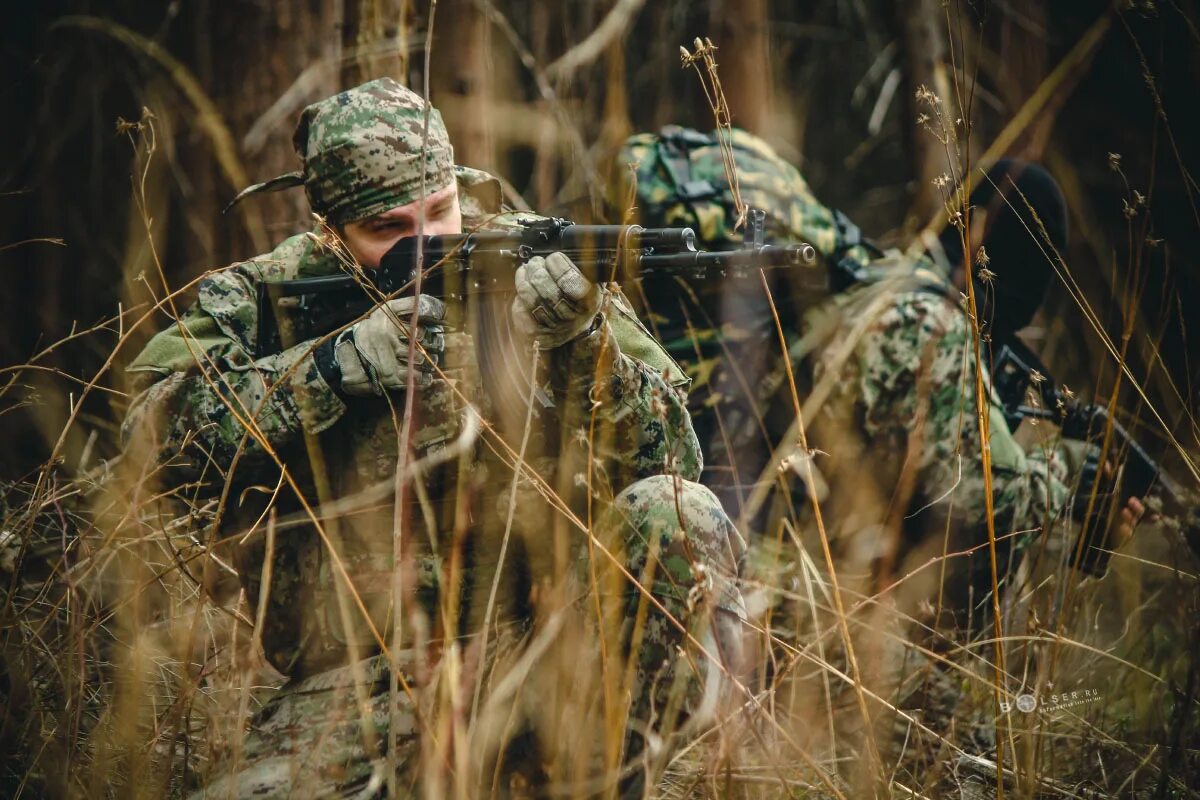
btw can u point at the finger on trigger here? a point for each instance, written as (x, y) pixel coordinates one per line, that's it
(433, 339)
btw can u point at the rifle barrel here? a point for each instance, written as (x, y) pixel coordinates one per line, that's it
(730, 260)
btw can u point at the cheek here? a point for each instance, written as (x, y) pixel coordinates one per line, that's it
(379, 248)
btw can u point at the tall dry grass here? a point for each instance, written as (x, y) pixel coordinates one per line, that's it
(130, 663)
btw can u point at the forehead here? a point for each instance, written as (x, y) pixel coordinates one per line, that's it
(411, 208)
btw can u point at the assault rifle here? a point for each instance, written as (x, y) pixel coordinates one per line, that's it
(1019, 376)
(458, 266)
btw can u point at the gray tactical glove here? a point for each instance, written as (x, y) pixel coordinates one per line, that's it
(554, 302)
(373, 354)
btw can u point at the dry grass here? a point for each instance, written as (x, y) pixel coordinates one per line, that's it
(129, 656)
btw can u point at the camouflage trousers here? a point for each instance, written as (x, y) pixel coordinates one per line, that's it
(638, 652)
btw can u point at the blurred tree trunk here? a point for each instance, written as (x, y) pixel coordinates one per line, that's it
(744, 60)
(461, 83)
(616, 127)
(545, 158)
(377, 36)
(923, 50)
(261, 65)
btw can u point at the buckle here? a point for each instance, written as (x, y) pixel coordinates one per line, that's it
(696, 190)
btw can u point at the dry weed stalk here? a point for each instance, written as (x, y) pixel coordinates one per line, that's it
(130, 660)
(704, 53)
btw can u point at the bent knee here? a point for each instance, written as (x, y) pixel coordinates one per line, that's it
(673, 502)
(683, 522)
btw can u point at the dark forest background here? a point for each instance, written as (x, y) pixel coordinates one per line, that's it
(542, 94)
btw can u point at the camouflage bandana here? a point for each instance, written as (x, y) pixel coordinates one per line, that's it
(362, 152)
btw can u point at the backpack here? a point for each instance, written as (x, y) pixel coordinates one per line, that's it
(723, 333)
(681, 181)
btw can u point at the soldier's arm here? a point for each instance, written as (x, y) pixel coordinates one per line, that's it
(201, 389)
(638, 410)
(918, 378)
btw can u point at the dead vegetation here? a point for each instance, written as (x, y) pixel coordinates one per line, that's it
(128, 655)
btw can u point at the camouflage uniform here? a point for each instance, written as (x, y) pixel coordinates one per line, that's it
(618, 426)
(891, 417)
(895, 363)
(886, 374)
(726, 339)
(911, 356)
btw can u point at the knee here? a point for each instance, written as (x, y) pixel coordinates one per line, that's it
(683, 526)
(680, 542)
(669, 506)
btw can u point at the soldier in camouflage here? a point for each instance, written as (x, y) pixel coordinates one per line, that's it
(893, 385)
(885, 358)
(494, 557)
(885, 364)
(895, 360)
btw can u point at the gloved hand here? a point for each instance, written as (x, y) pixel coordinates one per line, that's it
(554, 302)
(373, 354)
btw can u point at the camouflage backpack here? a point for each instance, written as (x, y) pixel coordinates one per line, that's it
(681, 181)
(722, 332)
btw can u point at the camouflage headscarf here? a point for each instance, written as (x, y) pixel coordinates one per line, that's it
(362, 152)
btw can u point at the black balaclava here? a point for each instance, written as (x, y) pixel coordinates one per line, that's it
(1018, 251)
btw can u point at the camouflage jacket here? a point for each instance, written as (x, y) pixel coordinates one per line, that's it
(617, 416)
(894, 364)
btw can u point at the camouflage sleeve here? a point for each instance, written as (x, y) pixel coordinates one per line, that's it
(203, 388)
(917, 375)
(651, 430)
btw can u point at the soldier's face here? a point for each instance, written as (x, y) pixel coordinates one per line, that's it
(369, 239)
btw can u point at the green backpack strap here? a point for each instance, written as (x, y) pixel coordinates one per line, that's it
(673, 147)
